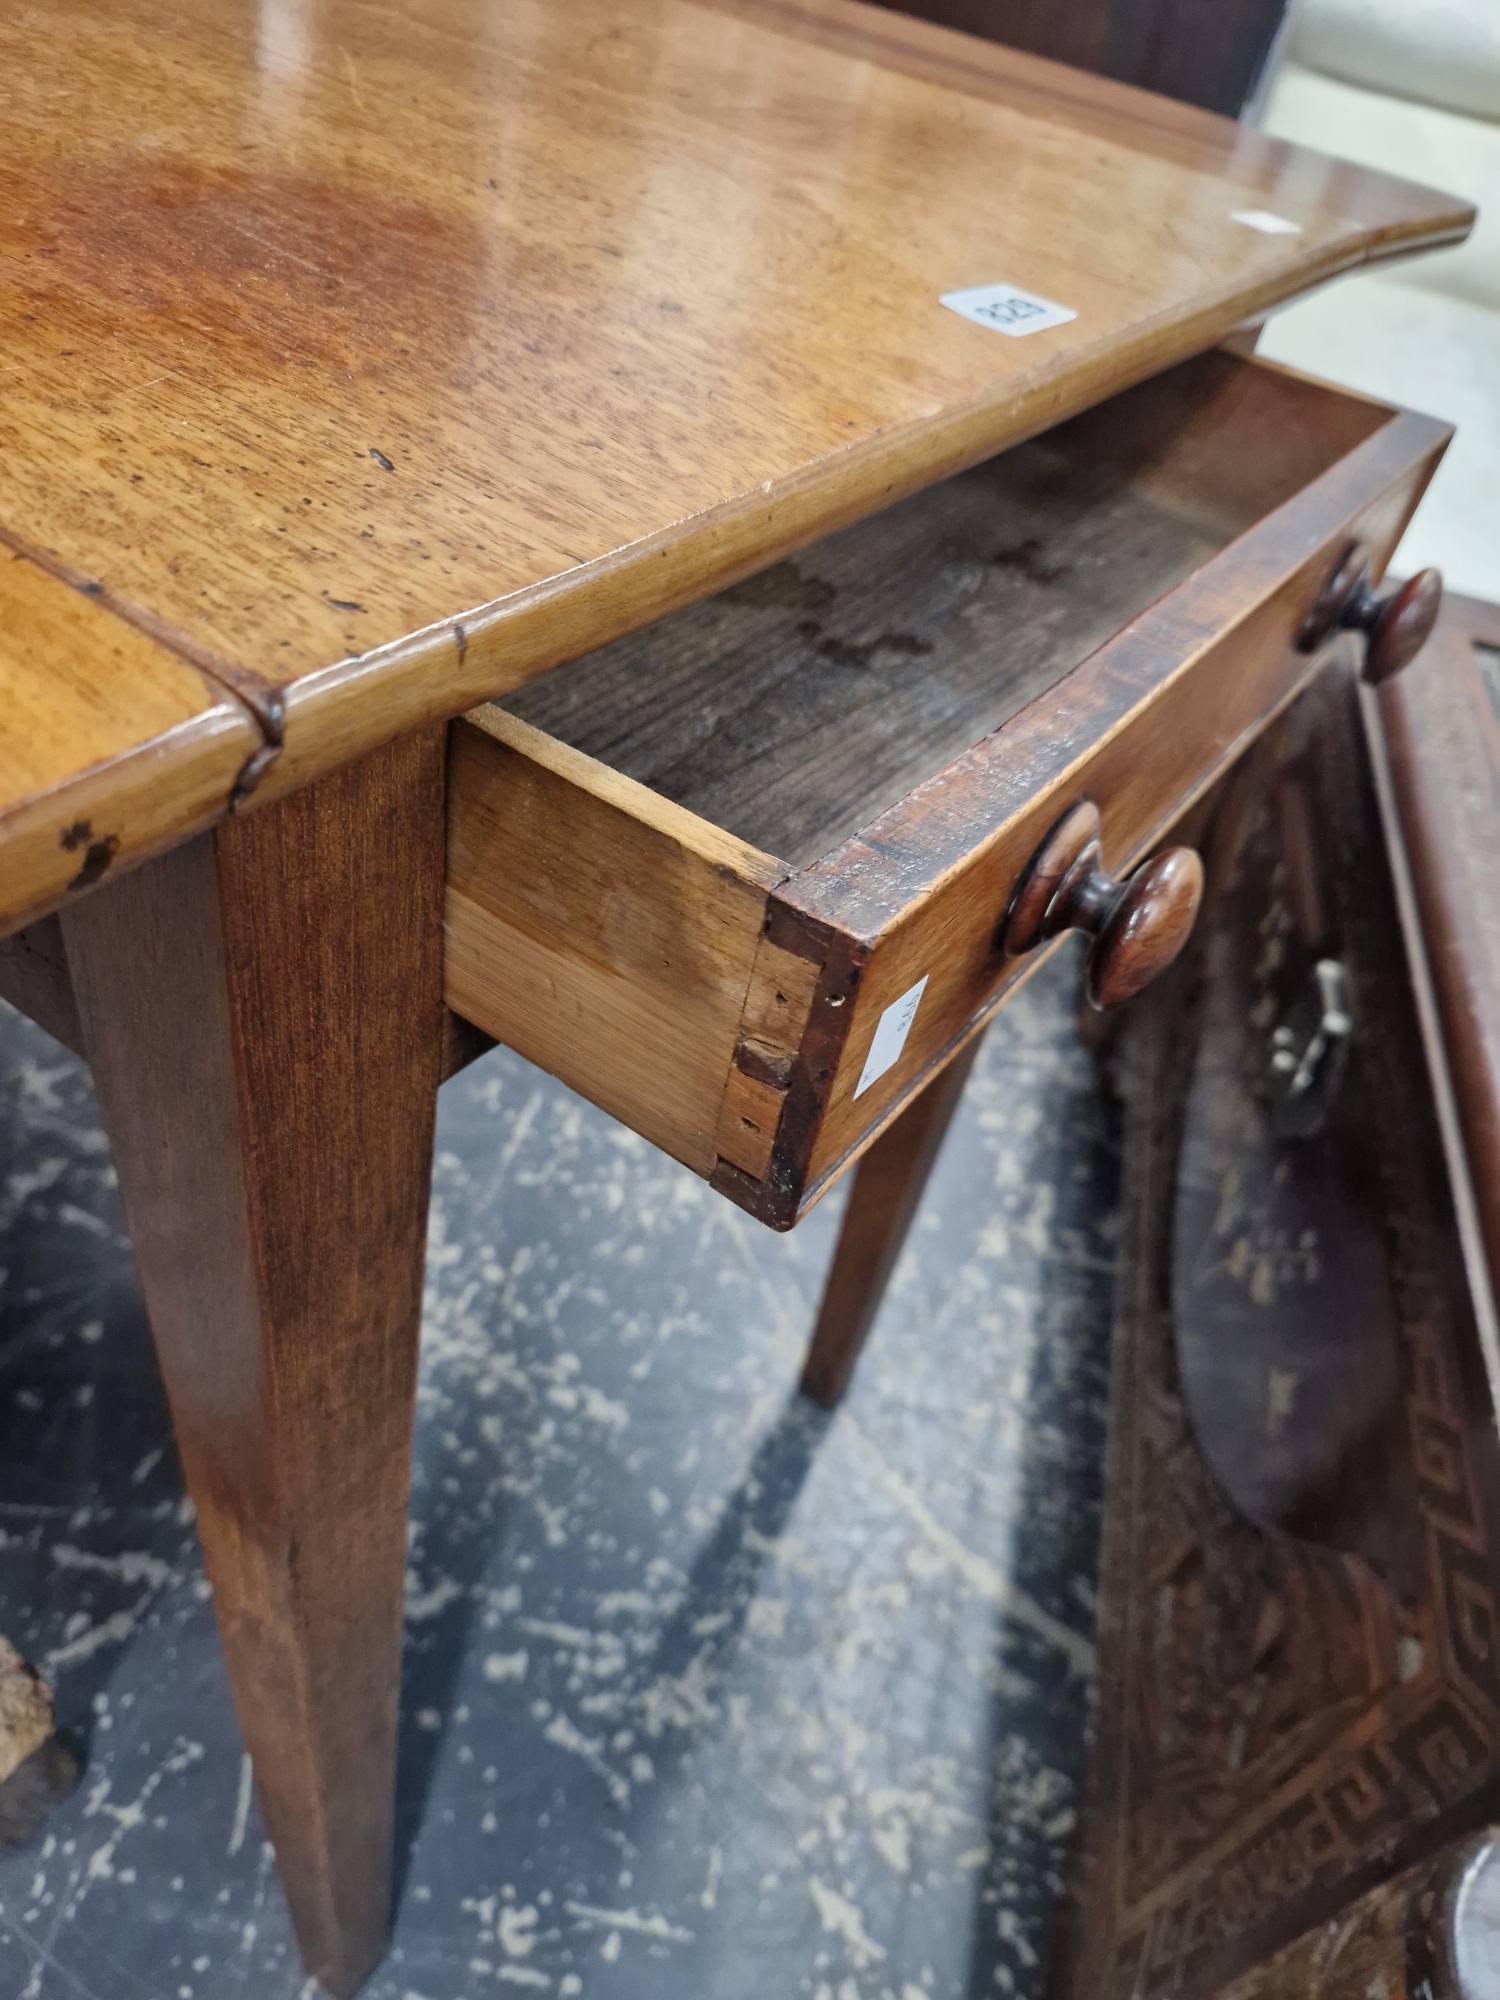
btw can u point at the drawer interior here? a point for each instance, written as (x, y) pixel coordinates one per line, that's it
(793, 708)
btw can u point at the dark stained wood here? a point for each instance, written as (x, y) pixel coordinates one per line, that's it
(1397, 622)
(1142, 727)
(34, 976)
(1204, 52)
(1144, 924)
(262, 1013)
(1280, 1730)
(463, 1043)
(1284, 1311)
(1138, 926)
(794, 708)
(1441, 725)
(887, 1191)
(1397, 1941)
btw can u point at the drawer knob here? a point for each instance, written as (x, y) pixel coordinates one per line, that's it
(1397, 622)
(1138, 926)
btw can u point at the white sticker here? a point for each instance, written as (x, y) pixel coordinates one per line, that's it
(1263, 220)
(1007, 309)
(891, 1031)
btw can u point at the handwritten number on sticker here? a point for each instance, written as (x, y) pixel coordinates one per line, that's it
(1008, 312)
(1008, 309)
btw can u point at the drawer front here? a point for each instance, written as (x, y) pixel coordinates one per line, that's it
(1141, 728)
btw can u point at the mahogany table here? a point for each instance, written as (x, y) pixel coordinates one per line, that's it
(363, 365)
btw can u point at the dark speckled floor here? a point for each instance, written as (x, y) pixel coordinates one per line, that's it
(706, 1694)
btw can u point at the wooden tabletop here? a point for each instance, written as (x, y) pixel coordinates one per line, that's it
(361, 361)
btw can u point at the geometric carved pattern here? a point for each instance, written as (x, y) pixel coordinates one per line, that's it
(1392, 1944)
(1278, 1730)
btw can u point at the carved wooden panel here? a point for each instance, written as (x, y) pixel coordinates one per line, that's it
(1423, 1935)
(1283, 1724)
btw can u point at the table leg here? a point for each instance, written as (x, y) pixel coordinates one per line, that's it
(262, 1012)
(888, 1185)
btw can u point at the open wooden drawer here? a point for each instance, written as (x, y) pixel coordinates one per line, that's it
(740, 877)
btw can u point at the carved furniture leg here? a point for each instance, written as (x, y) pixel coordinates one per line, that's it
(262, 1012)
(888, 1185)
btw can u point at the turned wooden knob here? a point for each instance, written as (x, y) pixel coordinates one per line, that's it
(1398, 622)
(1138, 926)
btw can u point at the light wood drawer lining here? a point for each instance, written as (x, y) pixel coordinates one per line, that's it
(605, 935)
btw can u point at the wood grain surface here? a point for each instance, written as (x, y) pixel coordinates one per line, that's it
(34, 976)
(582, 901)
(887, 1192)
(794, 708)
(604, 933)
(262, 1012)
(1441, 724)
(111, 745)
(1137, 926)
(376, 359)
(1395, 1943)
(1150, 719)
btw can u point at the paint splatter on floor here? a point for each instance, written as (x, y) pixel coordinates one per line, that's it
(707, 1696)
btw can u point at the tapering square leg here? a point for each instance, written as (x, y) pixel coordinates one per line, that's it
(887, 1191)
(262, 1011)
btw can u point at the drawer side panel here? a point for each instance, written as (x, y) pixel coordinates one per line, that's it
(601, 944)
